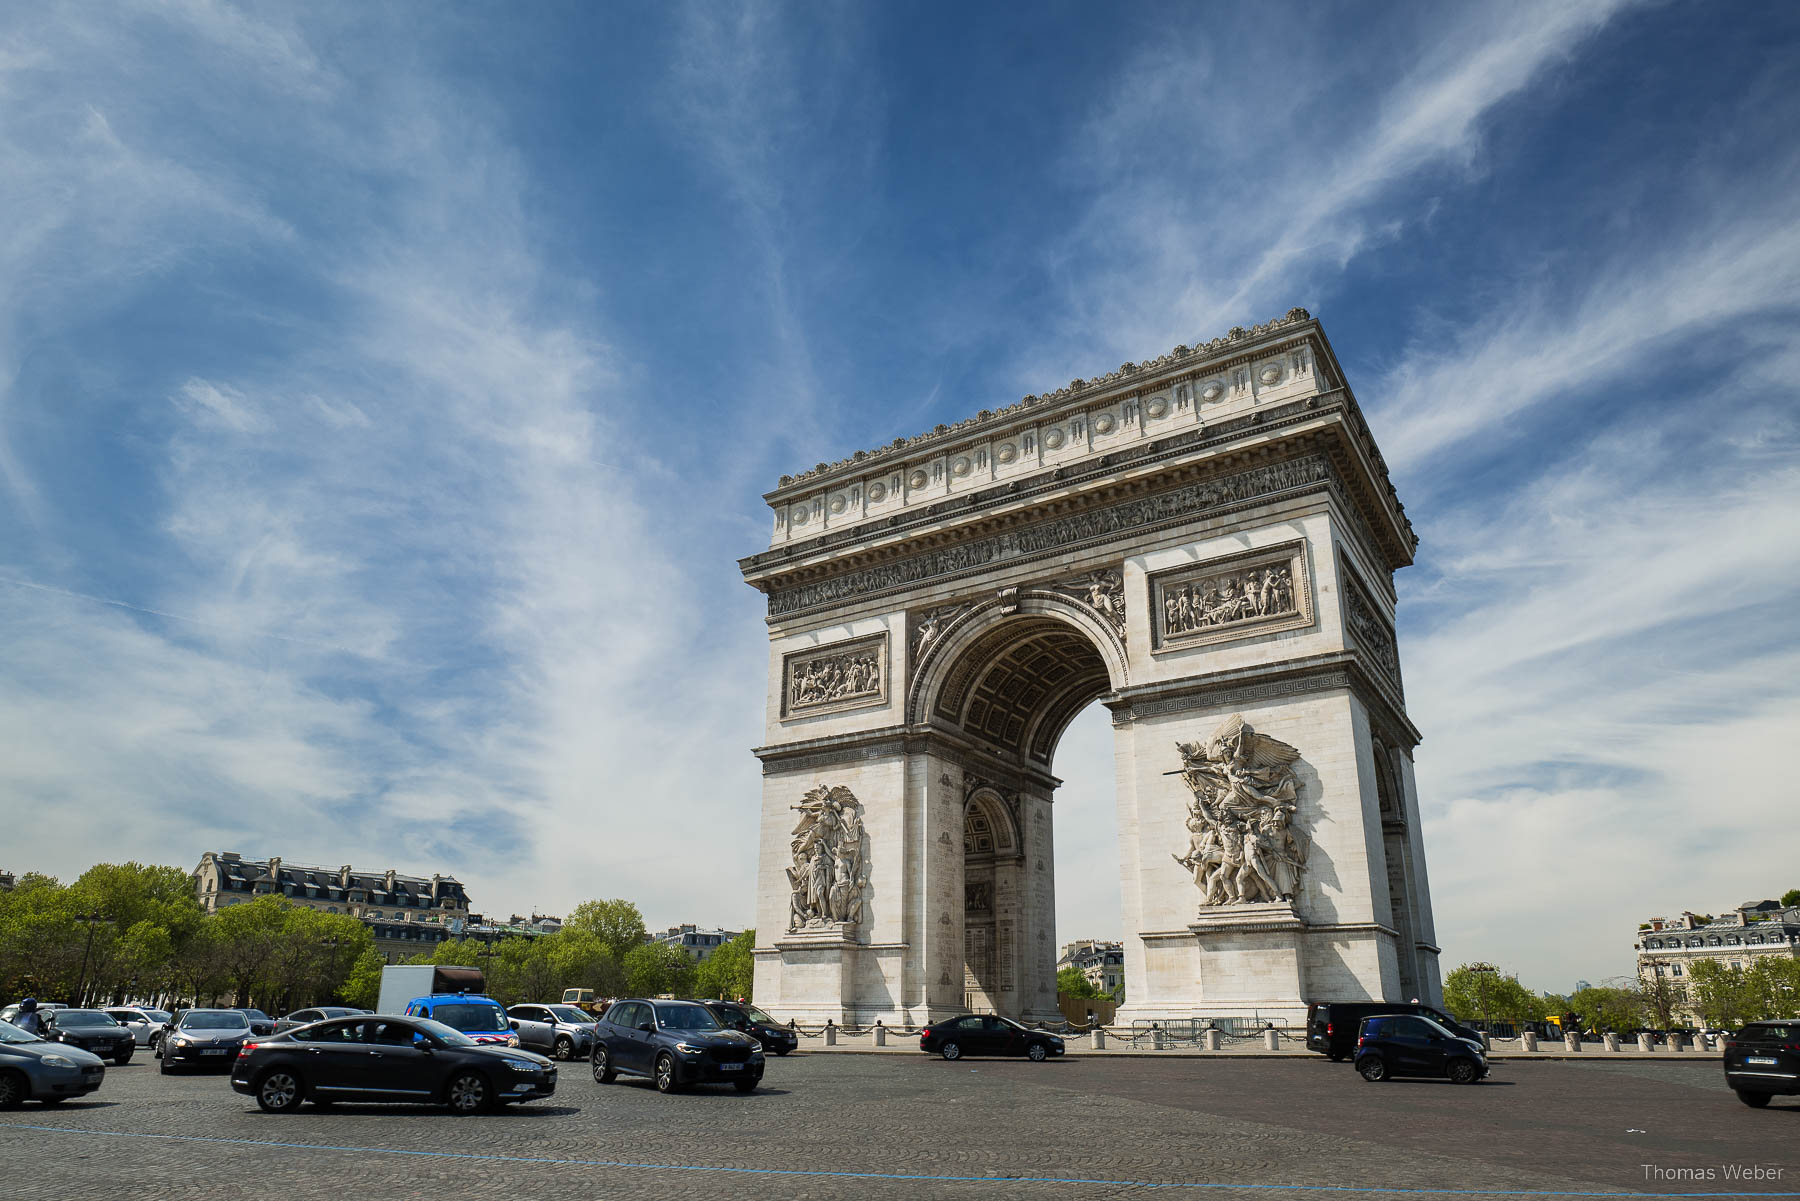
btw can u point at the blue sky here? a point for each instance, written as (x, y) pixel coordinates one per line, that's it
(387, 391)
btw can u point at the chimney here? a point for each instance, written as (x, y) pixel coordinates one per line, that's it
(275, 870)
(390, 879)
(231, 855)
(344, 876)
(1693, 923)
(1656, 923)
(437, 884)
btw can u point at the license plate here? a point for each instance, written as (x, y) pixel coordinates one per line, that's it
(213, 1051)
(1768, 1059)
(731, 1067)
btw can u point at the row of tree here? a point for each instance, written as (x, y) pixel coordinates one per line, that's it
(134, 932)
(1723, 996)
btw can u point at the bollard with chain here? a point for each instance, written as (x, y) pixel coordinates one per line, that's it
(1099, 1038)
(1215, 1039)
(830, 1033)
(1156, 1041)
(1272, 1039)
(880, 1033)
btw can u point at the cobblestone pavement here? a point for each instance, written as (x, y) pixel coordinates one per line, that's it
(873, 1127)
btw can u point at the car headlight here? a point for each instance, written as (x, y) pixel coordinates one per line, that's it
(57, 1061)
(690, 1049)
(521, 1065)
(512, 1040)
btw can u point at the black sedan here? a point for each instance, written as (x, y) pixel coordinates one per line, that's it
(93, 1030)
(740, 1015)
(387, 1059)
(987, 1034)
(675, 1043)
(203, 1038)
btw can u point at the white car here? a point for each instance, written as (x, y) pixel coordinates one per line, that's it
(146, 1025)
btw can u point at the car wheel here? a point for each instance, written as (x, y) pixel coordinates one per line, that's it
(1037, 1053)
(1753, 1100)
(782, 1050)
(565, 1047)
(746, 1085)
(165, 1066)
(666, 1080)
(156, 1045)
(1373, 1069)
(601, 1062)
(12, 1090)
(279, 1091)
(122, 1058)
(1464, 1071)
(468, 1093)
(951, 1051)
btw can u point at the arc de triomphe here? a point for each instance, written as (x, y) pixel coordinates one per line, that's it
(1205, 544)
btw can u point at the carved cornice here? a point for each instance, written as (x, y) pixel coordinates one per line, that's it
(1216, 355)
(1018, 543)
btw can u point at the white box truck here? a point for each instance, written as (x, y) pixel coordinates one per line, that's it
(401, 982)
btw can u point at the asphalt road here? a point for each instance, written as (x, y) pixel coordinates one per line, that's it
(872, 1127)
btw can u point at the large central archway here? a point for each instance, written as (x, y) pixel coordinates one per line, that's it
(1205, 545)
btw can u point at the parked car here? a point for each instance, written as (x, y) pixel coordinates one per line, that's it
(740, 1015)
(260, 1022)
(92, 1030)
(479, 1017)
(203, 1038)
(146, 1025)
(1332, 1026)
(12, 1012)
(675, 1044)
(377, 1058)
(306, 1017)
(1763, 1060)
(1409, 1044)
(987, 1034)
(36, 1069)
(559, 1031)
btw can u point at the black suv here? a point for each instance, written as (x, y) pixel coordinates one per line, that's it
(1406, 1044)
(741, 1015)
(1763, 1060)
(675, 1043)
(1331, 1026)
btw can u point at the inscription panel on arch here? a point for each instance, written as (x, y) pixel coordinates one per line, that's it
(1263, 591)
(833, 678)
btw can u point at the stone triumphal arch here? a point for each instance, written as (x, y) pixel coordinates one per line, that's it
(1205, 544)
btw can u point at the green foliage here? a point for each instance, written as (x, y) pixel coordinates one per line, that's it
(1790, 898)
(1718, 993)
(652, 969)
(616, 923)
(1608, 1008)
(729, 973)
(1480, 992)
(1073, 982)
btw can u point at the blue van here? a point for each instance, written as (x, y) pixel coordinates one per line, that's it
(479, 1017)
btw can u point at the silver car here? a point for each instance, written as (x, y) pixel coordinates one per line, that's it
(146, 1025)
(559, 1031)
(33, 1069)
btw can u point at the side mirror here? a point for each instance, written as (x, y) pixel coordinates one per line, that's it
(514, 1023)
(647, 1027)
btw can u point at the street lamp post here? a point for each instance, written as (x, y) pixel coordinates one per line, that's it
(90, 920)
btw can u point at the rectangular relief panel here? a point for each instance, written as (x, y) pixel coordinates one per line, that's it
(830, 679)
(1370, 632)
(1238, 596)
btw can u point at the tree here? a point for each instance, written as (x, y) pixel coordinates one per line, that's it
(653, 968)
(1608, 1008)
(729, 972)
(1658, 994)
(1790, 898)
(1718, 992)
(616, 923)
(1481, 992)
(1073, 982)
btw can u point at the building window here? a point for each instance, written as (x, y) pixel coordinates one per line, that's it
(1677, 969)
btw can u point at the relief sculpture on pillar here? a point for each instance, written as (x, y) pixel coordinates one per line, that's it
(829, 871)
(1242, 845)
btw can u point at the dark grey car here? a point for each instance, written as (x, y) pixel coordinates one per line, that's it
(35, 1069)
(92, 1030)
(319, 1013)
(204, 1038)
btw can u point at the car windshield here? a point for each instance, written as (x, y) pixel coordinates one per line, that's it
(214, 1019)
(568, 1013)
(685, 1017)
(156, 1015)
(483, 1019)
(10, 1033)
(84, 1017)
(454, 1038)
(1436, 1027)
(255, 1015)
(757, 1015)
(1010, 1022)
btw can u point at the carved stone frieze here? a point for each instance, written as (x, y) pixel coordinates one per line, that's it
(1370, 630)
(1258, 592)
(1102, 591)
(845, 675)
(927, 628)
(1056, 535)
(830, 850)
(1242, 846)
